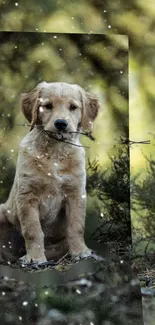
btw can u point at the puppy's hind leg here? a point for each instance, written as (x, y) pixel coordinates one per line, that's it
(2, 213)
(6, 232)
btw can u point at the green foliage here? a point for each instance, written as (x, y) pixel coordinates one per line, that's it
(67, 303)
(112, 188)
(143, 199)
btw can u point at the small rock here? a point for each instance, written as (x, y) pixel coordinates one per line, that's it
(56, 315)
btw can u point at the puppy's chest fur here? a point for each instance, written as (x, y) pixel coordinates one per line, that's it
(60, 167)
(53, 171)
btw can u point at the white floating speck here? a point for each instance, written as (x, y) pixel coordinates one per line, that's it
(121, 71)
(134, 282)
(16, 4)
(83, 196)
(109, 26)
(8, 211)
(20, 317)
(41, 109)
(121, 261)
(12, 150)
(101, 214)
(55, 37)
(6, 278)
(56, 164)
(3, 293)
(49, 174)
(4, 246)
(22, 265)
(36, 305)
(46, 293)
(25, 303)
(78, 291)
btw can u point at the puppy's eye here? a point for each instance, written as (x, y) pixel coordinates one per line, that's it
(73, 107)
(49, 106)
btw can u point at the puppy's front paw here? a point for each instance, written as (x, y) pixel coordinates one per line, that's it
(85, 254)
(27, 259)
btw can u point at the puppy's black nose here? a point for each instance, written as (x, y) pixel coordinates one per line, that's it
(60, 124)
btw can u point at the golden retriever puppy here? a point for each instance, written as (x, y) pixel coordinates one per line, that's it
(47, 203)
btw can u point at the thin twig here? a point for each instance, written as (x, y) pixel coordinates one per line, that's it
(62, 140)
(88, 134)
(62, 258)
(130, 142)
(24, 124)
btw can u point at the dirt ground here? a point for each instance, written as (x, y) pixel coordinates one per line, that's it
(87, 293)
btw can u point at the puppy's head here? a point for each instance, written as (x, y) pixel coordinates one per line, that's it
(60, 108)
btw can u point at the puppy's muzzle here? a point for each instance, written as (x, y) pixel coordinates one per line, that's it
(60, 124)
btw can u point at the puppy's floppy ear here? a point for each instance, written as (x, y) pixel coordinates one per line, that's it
(29, 106)
(90, 108)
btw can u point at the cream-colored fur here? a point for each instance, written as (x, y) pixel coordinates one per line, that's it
(47, 202)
